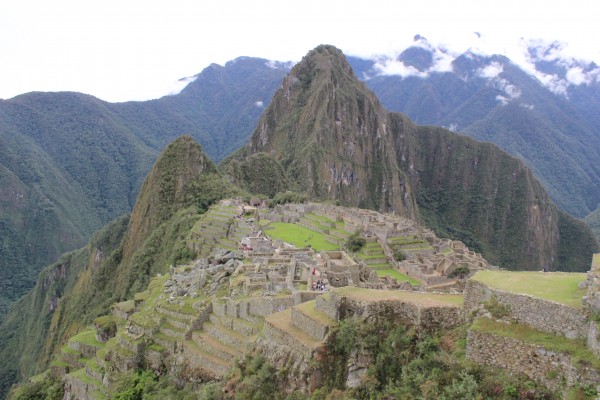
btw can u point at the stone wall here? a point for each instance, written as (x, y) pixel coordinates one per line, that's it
(314, 328)
(545, 315)
(547, 367)
(593, 339)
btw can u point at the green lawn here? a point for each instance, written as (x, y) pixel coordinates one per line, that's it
(399, 276)
(576, 348)
(561, 287)
(87, 337)
(299, 236)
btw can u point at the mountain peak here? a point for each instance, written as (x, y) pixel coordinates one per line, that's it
(166, 189)
(324, 58)
(329, 133)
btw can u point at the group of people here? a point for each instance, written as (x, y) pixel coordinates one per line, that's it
(319, 285)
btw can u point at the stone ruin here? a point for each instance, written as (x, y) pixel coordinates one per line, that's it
(441, 264)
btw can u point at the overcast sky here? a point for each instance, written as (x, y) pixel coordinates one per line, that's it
(135, 50)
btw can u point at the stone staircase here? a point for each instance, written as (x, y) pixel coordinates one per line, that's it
(374, 255)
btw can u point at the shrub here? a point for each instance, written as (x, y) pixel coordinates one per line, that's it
(355, 242)
(497, 310)
(399, 255)
(460, 272)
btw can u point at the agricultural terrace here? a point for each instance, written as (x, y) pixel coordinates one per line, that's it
(561, 287)
(299, 236)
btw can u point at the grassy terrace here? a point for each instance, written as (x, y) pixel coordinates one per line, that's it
(575, 348)
(308, 308)
(561, 287)
(399, 276)
(417, 298)
(87, 337)
(299, 236)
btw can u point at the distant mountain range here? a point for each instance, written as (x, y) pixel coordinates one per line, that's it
(545, 113)
(70, 163)
(324, 133)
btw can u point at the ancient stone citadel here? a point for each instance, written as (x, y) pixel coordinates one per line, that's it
(250, 291)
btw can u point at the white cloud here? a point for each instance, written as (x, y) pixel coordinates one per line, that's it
(127, 50)
(390, 66)
(491, 71)
(180, 84)
(527, 106)
(502, 100)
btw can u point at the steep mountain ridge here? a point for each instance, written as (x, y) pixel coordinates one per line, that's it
(334, 139)
(553, 128)
(70, 163)
(118, 262)
(329, 134)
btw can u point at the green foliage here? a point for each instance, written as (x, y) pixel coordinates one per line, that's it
(497, 309)
(460, 272)
(355, 242)
(135, 386)
(576, 245)
(405, 366)
(257, 380)
(399, 255)
(46, 388)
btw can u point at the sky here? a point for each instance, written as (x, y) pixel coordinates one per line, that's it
(137, 50)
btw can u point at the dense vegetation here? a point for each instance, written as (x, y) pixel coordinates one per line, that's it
(403, 366)
(117, 263)
(557, 136)
(70, 163)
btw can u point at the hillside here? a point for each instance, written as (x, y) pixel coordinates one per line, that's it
(70, 163)
(118, 262)
(249, 321)
(334, 140)
(554, 129)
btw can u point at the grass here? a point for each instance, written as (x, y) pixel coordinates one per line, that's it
(399, 276)
(299, 236)
(308, 308)
(87, 337)
(417, 298)
(125, 306)
(283, 321)
(575, 348)
(561, 287)
(320, 218)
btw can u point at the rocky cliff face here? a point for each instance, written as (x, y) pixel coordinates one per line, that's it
(334, 140)
(331, 137)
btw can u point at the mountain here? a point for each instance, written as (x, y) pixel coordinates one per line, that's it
(334, 140)
(118, 261)
(70, 163)
(67, 167)
(544, 113)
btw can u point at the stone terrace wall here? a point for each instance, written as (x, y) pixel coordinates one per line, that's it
(424, 319)
(546, 367)
(544, 315)
(592, 298)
